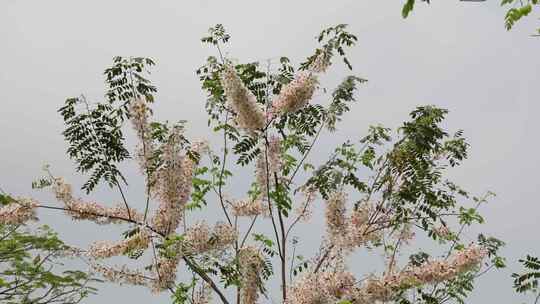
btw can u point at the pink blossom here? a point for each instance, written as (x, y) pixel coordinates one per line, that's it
(335, 216)
(105, 249)
(251, 264)
(123, 275)
(200, 238)
(173, 184)
(269, 165)
(19, 211)
(139, 114)
(249, 115)
(296, 94)
(249, 207)
(92, 211)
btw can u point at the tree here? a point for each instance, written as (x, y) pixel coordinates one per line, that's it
(29, 262)
(378, 192)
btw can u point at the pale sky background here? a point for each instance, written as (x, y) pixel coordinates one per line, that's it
(453, 54)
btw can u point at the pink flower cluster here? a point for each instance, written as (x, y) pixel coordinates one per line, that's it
(443, 232)
(330, 287)
(124, 275)
(200, 238)
(269, 164)
(173, 184)
(320, 64)
(166, 273)
(296, 94)
(431, 272)
(335, 216)
(197, 239)
(139, 114)
(91, 211)
(323, 287)
(249, 207)
(249, 115)
(349, 232)
(19, 211)
(251, 264)
(105, 249)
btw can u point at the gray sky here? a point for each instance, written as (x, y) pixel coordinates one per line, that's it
(452, 54)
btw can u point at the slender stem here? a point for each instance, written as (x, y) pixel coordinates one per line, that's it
(306, 153)
(222, 171)
(297, 219)
(321, 260)
(220, 53)
(155, 259)
(124, 199)
(206, 278)
(283, 257)
(147, 178)
(484, 271)
(248, 231)
(268, 194)
(283, 247)
(292, 262)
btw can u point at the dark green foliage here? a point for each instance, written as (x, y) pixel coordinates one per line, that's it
(338, 171)
(300, 267)
(457, 289)
(126, 81)
(95, 139)
(247, 149)
(216, 35)
(304, 122)
(418, 258)
(30, 269)
(284, 76)
(407, 8)
(527, 281)
(334, 39)
(415, 160)
(210, 83)
(408, 178)
(281, 198)
(492, 245)
(94, 133)
(254, 79)
(267, 244)
(41, 183)
(341, 96)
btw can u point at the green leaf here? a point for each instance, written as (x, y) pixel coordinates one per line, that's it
(407, 8)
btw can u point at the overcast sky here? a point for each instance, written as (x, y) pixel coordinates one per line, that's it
(452, 54)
